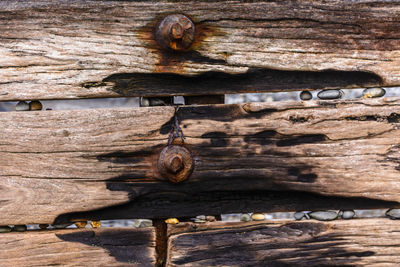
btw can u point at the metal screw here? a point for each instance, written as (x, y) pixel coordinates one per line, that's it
(176, 32)
(175, 163)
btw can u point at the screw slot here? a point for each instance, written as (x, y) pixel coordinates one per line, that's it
(176, 32)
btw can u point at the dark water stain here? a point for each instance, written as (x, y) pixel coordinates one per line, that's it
(292, 242)
(129, 157)
(126, 246)
(302, 139)
(217, 139)
(303, 174)
(262, 138)
(222, 113)
(217, 83)
(268, 137)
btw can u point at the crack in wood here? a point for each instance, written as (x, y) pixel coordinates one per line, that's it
(217, 83)
(167, 201)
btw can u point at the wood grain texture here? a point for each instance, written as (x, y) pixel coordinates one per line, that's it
(56, 162)
(357, 242)
(79, 247)
(80, 49)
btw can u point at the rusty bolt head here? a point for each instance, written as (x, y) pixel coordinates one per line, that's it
(175, 163)
(176, 32)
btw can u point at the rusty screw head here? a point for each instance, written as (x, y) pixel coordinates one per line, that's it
(175, 163)
(176, 32)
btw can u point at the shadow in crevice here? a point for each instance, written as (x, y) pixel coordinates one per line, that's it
(217, 83)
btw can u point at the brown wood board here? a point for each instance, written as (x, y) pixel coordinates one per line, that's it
(57, 162)
(357, 242)
(79, 247)
(86, 49)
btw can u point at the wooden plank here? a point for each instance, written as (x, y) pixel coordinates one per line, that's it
(79, 247)
(357, 242)
(80, 49)
(57, 162)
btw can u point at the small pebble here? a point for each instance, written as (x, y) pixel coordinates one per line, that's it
(258, 217)
(199, 219)
(305, 95)
(22, 106)
(393, 214)
(81, 224)
(324, 215)
(144, 102)
(19, 228)
(142, 223)
(172, 221)
(245, 217)
(348, 214)
(95, 224)
(43, 226)
(330, 94)
(5, 229)
(35, 105)
(299, 215)
(373, 92)
(210, 219)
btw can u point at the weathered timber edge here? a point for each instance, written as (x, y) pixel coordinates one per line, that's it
(58, 162)
(356, 242)
(79, 247)
(82, 49)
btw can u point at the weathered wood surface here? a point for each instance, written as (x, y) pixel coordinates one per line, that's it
(357, 242)
(56, 162)
(69, 49)
(79, 247)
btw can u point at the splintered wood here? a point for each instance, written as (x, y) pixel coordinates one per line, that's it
(336, 154)
(62, 49)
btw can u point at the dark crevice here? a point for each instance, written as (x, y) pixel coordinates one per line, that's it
(219, 83)
(161, 241)
(392, 118)
(175, 201)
